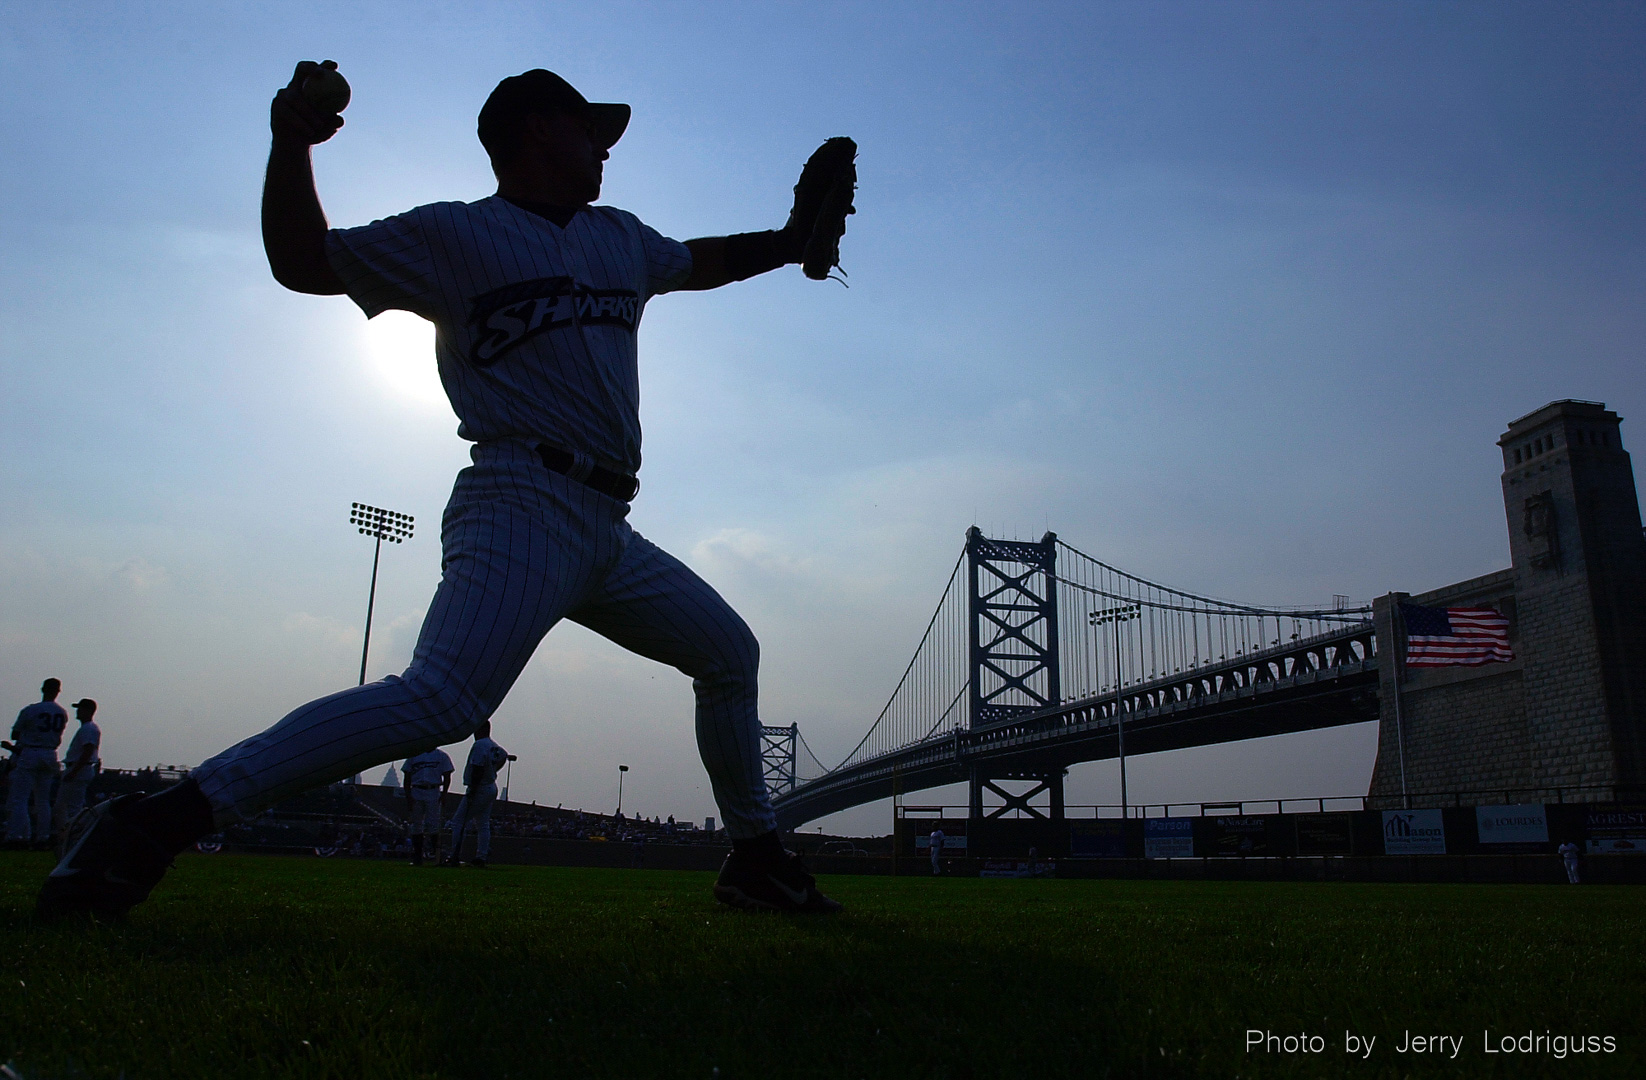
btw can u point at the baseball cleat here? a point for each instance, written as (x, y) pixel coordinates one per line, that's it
(782, 884)
(478, 863)
(109, 866)
(450, 860)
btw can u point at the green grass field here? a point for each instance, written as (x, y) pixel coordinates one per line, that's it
(264, 967)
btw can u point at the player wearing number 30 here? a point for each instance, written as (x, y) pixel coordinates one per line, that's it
(536, 295)
(35, 737)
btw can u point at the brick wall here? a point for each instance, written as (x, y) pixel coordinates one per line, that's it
(1465, 727)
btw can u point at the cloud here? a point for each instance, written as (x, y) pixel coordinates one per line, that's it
(211, 247)
(319, 630)
(140, 575)
(746, 551)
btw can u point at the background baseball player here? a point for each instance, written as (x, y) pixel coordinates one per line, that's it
(480, 779)
(936, 842)
(537, 296)
(428, 776)
(35, 737)
(1568, 856)
(81, 763)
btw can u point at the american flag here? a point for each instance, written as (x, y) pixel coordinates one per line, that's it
(1440, 637)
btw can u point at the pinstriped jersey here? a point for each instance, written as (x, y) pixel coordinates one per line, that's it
(535, 324)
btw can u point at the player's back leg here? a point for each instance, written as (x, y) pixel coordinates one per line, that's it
(654, 605)
(506, 579)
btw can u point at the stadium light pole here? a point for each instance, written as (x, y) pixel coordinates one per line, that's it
(380, 525)
(1115, 616)
(621, 769)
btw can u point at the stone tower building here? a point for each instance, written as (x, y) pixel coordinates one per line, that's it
(1566, 719)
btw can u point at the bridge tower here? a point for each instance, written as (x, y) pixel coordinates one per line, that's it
(1012, 632)
(1012, 598)
(777, 746)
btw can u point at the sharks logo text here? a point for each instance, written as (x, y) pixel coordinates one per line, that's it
(503, 318)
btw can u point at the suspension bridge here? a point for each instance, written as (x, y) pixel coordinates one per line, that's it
(1039, 656)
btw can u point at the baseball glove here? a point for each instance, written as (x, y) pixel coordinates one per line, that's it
(822, 199)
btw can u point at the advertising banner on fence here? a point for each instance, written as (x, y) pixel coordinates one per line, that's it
(1168, 838)
(1413, 832)
(1617, 831)
(1100, 838)
(954, 834)
(1241, 836)
(1325, 834)
(1525, 823)
(1018, 868)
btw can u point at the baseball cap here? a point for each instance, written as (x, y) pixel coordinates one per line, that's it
(538, 91)
(84, 701)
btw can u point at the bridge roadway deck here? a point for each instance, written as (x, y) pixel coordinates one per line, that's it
(1323, 682)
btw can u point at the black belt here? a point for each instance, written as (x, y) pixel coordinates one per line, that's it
(620, 486)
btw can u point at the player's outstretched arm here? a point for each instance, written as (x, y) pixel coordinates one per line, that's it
(709, 264)
(721, 260)
(294, 225)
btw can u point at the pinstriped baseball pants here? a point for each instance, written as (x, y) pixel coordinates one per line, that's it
(523, 548)
(476, 810)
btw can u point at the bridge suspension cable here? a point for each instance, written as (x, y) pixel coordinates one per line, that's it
(811, 767)
(1115, 631)
(1163, 631)
(933, 684)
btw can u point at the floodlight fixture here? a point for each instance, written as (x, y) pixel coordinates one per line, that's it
(380, 525)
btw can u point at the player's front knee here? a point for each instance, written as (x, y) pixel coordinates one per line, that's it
(450, 711)
(467, 728)
(743, 651)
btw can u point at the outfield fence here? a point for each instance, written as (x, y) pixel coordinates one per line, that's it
(1319, 827)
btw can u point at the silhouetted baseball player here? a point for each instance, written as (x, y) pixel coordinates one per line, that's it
(536, 295)
(428, 776)
(480, 780)
(81, 763)
(35, 737)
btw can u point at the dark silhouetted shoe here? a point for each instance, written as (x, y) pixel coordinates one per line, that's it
(781, 884)
(109, 866)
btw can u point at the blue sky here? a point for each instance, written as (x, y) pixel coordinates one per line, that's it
(1235, 296)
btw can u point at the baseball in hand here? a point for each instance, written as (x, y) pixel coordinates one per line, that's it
(326, 89)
